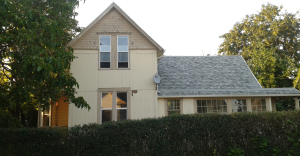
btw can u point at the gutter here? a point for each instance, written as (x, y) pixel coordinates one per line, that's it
(206, 96)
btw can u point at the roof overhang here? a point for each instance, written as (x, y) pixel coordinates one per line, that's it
(228, 96)
(201, 93)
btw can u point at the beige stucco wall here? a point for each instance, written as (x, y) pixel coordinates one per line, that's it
(188, 106)
(142, 64)
(161, 108)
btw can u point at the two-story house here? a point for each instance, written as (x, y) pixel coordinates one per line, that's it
(115, 67)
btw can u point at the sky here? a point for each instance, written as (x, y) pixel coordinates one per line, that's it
(183, 27)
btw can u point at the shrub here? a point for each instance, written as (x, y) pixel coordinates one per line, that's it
(266, 133)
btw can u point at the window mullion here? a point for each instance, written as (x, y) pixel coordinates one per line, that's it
(114, 105)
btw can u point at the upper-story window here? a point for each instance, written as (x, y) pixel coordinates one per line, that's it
(114, 52)
(122, 51)
(105, 51)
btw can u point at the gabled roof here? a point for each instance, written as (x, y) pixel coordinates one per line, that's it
(114, 5)
(211, 76)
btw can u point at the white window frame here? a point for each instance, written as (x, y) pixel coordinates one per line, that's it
(106, 108)
(122, 51)
(110, 53)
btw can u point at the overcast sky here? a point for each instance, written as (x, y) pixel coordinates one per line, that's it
(183, 27)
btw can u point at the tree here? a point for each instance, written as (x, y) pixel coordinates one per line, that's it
(34, 60)
(269, 42)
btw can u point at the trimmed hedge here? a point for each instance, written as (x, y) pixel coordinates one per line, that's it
(267, 133)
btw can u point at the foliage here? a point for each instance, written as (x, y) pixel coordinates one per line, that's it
(268, 133)
(34, 60)
(269, 42)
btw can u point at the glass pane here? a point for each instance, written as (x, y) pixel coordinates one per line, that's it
(122, 43)
(203, 102)
(106, 100)
(252, 101)
(263, 108)
(105, 43)
(123, 48)
(208, 103)
(121, 100)
(209, 110)
(243, 102)
(198, 103)
(121, 114)
(244, 108)
(122, 64)
(106, 115)
(224, 109)
(199, 110)
(104, 64)
(104, 57)
(204, 109)
(122, 40)
(263, 101)
(254, 109)
(122, 57)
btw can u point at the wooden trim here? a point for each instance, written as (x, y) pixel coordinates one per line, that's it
(113, 33)
(114, 104)
(114, 52)
(180, 104)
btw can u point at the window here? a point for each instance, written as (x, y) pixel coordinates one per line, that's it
(239, 105)
(122, 51)
(105, 51)
(212, 106)
(114, 52)
(258, 105)
(173, 107)
(113, 106)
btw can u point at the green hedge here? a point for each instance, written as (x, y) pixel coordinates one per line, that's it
(212, 134)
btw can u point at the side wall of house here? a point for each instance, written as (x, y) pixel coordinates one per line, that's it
(143, 65)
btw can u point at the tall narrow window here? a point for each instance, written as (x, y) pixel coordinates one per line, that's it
(173, 107)
(106, 107)
(105, 51)
(121, 106)
(122, 51)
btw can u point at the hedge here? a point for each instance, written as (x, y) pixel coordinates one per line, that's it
(269, 133)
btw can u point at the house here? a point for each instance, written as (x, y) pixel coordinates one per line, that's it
(115, 67)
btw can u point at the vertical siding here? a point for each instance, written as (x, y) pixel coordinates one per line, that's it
(79, 116)
(85, 69)
(59, 113)
(161, 108)
(143, 65)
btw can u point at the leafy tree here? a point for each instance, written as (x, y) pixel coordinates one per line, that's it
(34, 60)
(269, 42)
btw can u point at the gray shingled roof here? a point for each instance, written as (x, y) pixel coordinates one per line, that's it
(211, 76)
